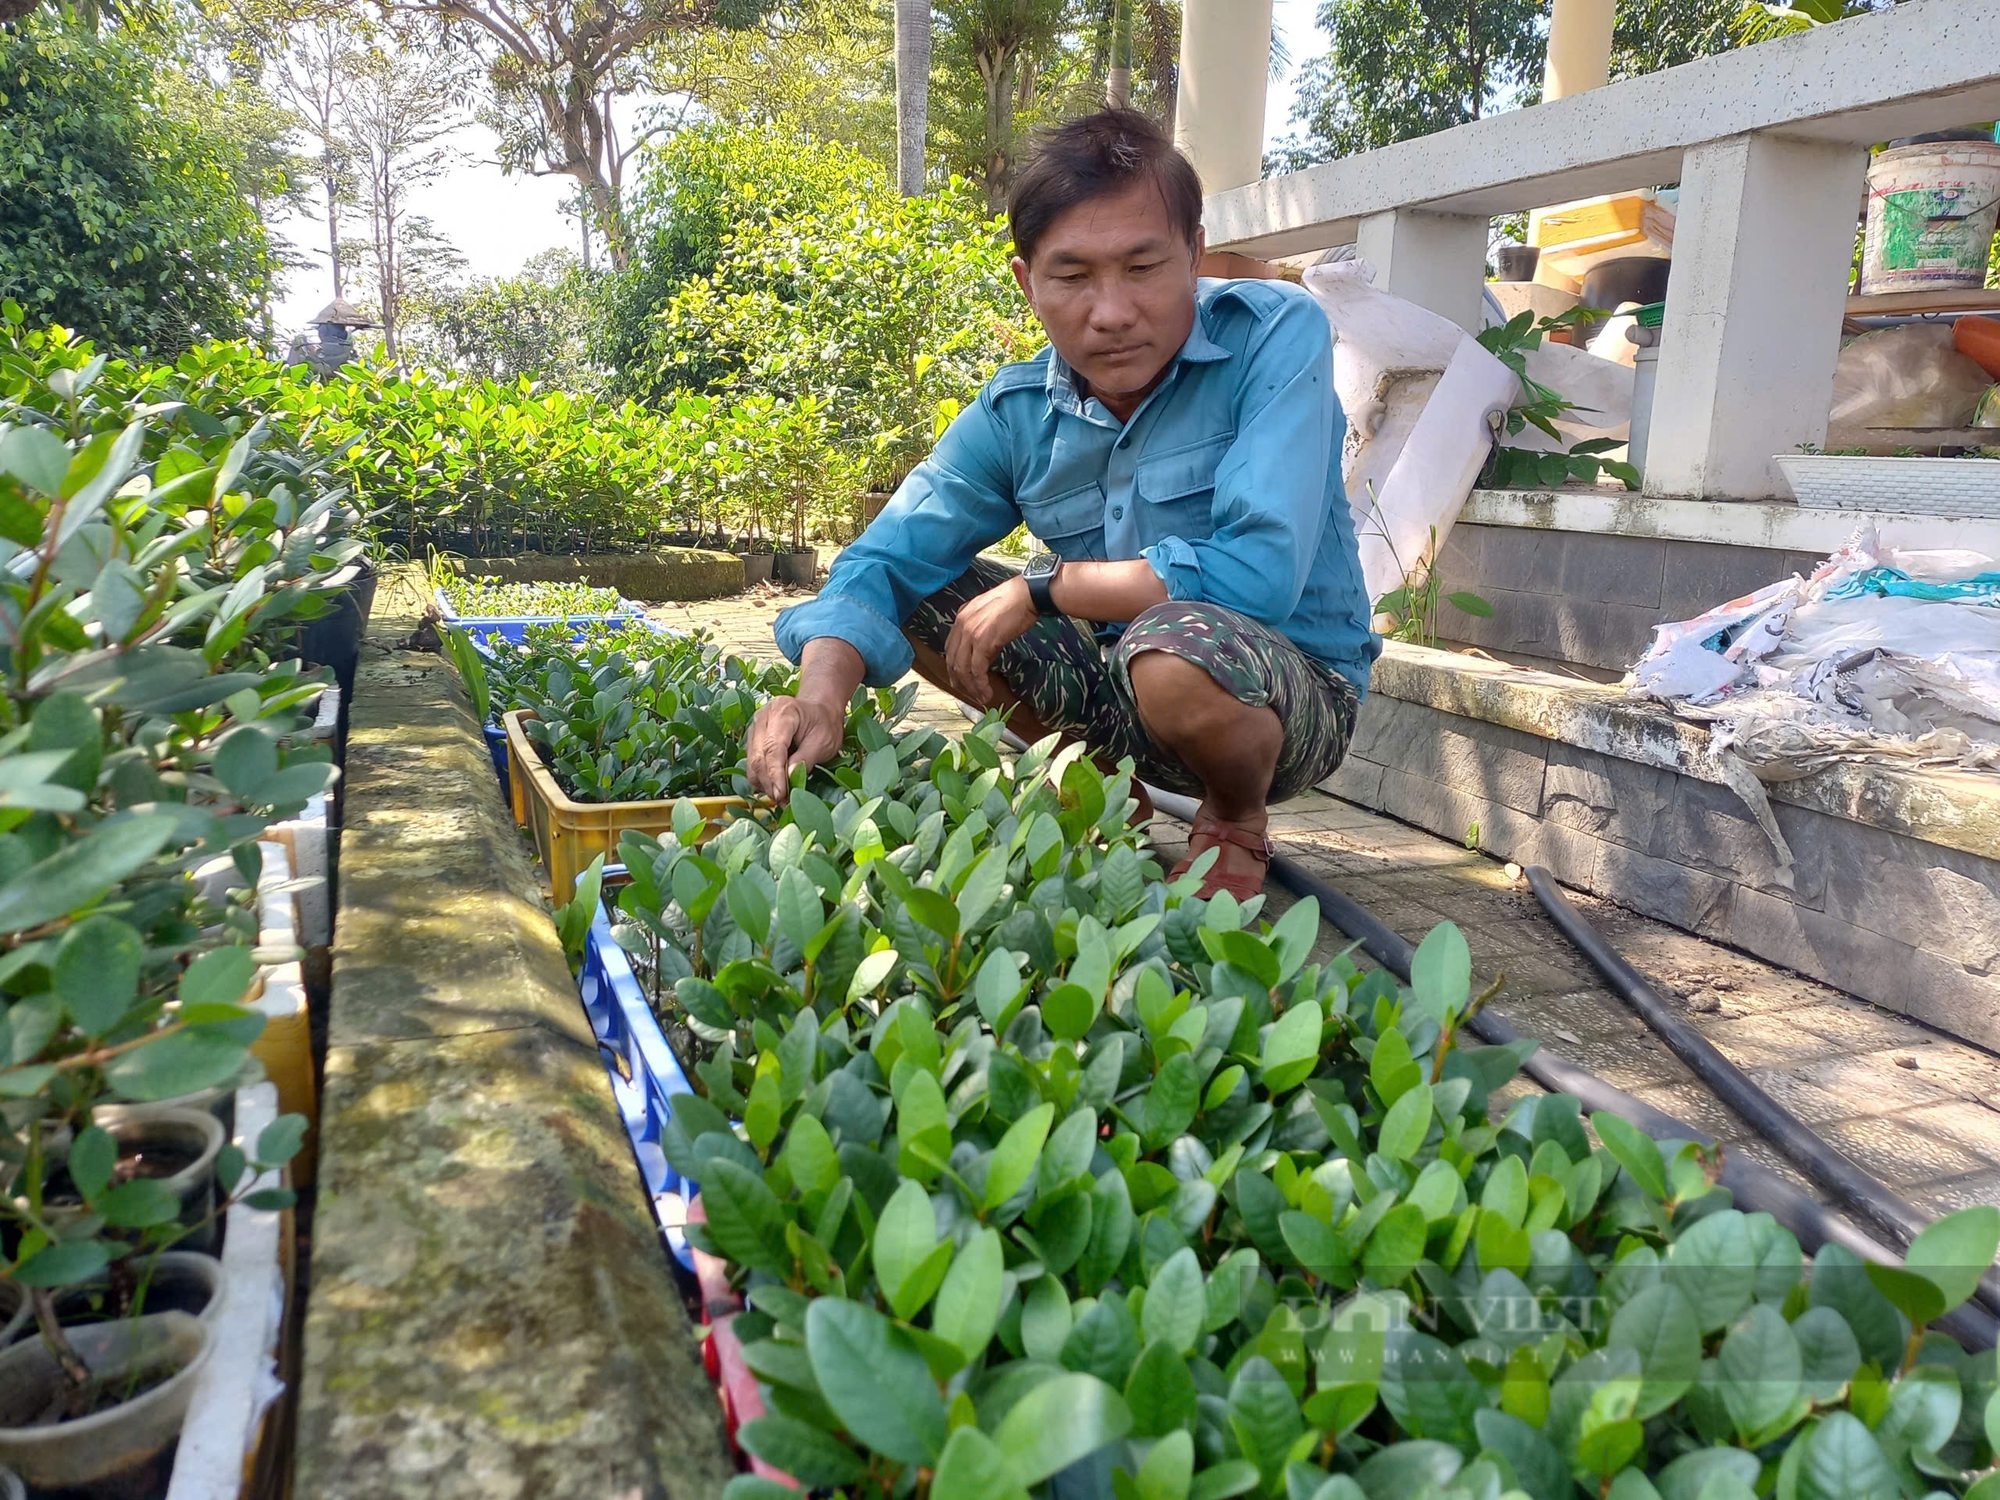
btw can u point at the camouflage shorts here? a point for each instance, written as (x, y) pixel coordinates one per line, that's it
(1073, 682)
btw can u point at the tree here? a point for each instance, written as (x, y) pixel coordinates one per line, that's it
(311, 65)
(557, 66)
(1118, 77)
(1404, 68)
(996, 53)
(121, 216)
(913, 92)
(695, 190)
(820, 66)
(535, 323)
(395, 117)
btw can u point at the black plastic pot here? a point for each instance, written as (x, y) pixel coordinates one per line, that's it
(799, 569)
(334, 639)
(757, 567)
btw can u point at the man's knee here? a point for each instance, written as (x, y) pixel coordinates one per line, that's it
(1180, 695)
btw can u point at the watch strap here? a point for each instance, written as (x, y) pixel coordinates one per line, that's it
(1041, 577)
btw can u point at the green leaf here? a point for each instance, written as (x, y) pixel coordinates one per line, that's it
(1687, 1476)
(1168, 1469)
(1923, 1410)
(1392, 1070)
(1914, 1294)
(1291, 1047)
(981, 888)
(1659, 1327)
(1233, 1476)
(968, 1301)
(745, 1220)
(997, 985)
(35, 456)
(1174, 1303)
(1956, 1251)
(1264, 1415)
(1828, 1354)
(1172, 1101)
(96, 973)
(1014, 1158)
(82, 871)
(221, 976)
(178, 1062)
(813, 1457)
(1441, 972)
(139, 1204)
(1403, 1470)
(245, 758)
(870, 1373)
(1534, 1460)
(1160, 1391)
(1046, 1317)
(1842, 1461)
(93, 1157)
(1633, 1150)
(65, 1263)
(1406, 1124)
(974, 1468)
(1058, 1423)
(1761, 1369)
(1396, 1245)
(909, 1261)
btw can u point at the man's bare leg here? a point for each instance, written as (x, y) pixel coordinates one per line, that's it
(1230, 746)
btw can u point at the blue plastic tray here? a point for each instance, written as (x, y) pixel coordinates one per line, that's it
(515, 627)
(627, 1030)
(496, 746)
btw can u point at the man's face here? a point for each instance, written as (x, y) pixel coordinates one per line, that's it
(1113, 283)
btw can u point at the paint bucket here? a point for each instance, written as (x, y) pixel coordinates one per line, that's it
(1931, 215)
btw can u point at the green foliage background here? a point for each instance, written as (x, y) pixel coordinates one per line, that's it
(119, 217)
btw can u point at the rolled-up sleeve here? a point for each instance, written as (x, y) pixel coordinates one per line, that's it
(955, 502)
(1270, 503)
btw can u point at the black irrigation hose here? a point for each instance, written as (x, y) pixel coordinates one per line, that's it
(1823, 1163)
(1752, 1187)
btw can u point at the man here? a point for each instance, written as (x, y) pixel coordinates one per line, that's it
(1177, 451)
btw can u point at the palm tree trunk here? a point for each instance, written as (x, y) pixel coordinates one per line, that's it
(913, 92)
(1118, 77)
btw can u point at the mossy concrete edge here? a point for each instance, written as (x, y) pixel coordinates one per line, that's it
(491, 1313)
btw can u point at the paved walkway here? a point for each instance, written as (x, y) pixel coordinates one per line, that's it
(1908, 1104)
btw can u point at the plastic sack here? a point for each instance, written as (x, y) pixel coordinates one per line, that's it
(1420, 395)
(1905, 377)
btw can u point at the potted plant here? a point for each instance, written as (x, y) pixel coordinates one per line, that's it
(149, 724)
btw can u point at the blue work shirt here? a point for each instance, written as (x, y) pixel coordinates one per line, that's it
(1226, 479)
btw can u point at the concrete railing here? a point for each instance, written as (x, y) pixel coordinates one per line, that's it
(1769, 145)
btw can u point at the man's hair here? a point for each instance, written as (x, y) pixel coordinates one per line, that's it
(1094, 157)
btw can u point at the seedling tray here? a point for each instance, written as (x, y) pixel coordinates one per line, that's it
(570, 834)
(515, 627)
(646, 1077)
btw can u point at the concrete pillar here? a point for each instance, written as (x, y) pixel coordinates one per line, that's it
(1219, 112)
(1761, 253)
(1579, 55)
(1435, 260)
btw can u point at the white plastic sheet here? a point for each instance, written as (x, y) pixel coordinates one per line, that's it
(1420, 396)
(1882, 654)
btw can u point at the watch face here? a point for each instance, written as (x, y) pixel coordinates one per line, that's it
(1042, 565)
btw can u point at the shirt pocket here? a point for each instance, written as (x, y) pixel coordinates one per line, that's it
(1179, 488)
(1070, 524)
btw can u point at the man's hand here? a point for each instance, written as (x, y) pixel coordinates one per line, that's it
(791, 732)
(983, 626)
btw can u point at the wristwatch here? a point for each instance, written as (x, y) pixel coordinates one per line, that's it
(1040, 576)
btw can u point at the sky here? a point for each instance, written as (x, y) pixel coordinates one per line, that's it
(498, 221)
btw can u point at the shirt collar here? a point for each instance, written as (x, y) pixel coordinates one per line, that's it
(1065, 395)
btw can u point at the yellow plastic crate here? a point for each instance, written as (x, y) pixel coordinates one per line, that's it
(568, 834)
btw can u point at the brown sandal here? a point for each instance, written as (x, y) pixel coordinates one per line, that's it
(1211, 831)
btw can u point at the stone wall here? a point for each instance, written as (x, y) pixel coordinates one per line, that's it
(670, 575)
(491, 1310)
(1593, 598)
(1895, 894)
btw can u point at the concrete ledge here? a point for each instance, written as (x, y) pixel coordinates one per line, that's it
(491, 1312)
(1776, 525)
(670, 575)
(1895, 895)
